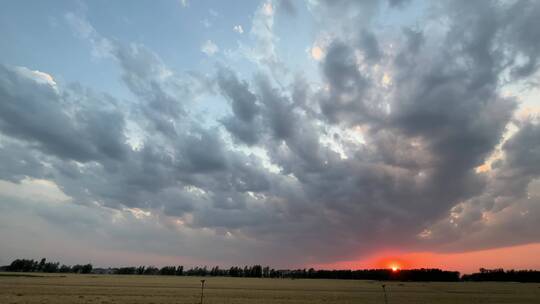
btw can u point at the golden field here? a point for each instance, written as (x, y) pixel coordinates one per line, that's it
(109, 289)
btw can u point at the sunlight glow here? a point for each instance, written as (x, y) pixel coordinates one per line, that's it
(317, 53)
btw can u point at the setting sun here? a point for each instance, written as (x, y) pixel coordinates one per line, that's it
(394, 267)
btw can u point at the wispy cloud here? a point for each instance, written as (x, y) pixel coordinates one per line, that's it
(209, 48)
(238, 28)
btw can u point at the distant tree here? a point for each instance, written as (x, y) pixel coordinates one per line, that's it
(140, 270)
(151, 270)
(76, 268)
(24, 265)
(50, 267)
(65, 269)
(16, 265)
(86, 268)
(501, 275)
(180, 270)
(41, 264)
(167, 270)
(256, 271)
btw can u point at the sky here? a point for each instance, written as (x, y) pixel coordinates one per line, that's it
(334, 134)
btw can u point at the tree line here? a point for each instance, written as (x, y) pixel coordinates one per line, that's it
(30, 265)
(501, 275)
(255, 271)
(258, 271)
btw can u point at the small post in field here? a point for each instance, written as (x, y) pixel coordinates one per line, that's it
(202, 290)
(384, 291)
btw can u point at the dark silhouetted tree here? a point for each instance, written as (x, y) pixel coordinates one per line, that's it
(180, 270)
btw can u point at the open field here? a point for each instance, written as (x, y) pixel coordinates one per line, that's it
(102, 289)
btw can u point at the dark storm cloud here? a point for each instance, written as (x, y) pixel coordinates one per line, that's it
(453, 110)
(243, 102)
(244, 132)
(507, 211)
(483, 216)
(523, 151)
(347, 84)
(202, 152)
(243, 125)
(34, 111)
(369, 44)
(414, 41)
(278, 110)
(147, 77)
(114, 174)
(19, 162)
(523, 33)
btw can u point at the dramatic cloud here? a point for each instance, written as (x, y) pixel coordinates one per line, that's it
(34, 111)
(401, 136)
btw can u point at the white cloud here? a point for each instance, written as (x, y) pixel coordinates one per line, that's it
(238, 28)
(101, 47)
(34, 190)
(263, 49)
(268, 9)
(37, 76)
(209, 48)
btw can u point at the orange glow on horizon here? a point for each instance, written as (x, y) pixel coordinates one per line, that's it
(390, 262)
(465, 262)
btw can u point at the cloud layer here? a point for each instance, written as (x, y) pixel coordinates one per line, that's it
(406, 139)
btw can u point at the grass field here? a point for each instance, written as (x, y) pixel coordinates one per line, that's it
(109, 289)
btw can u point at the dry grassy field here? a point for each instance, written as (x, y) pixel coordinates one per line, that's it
(102, 289)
